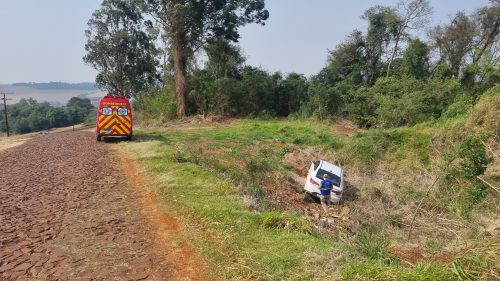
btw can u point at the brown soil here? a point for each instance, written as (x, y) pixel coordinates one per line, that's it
(408, 255)
(413, 255)
(345, 128)
(181, 256)
(68, 212)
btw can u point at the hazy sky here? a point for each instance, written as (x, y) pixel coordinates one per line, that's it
(43, 40)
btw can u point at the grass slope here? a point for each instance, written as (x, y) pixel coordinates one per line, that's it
(214, 177)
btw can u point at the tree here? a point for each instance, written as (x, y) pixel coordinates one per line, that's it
(190, 24)
(454, 41)
(346, 61)
(292, 93)
(382, 26)
(416, 60)
(487, 21)
(79, 102)
(412, 14)
(224, 58)
(120, 46)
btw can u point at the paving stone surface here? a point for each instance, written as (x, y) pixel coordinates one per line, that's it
(68, 213)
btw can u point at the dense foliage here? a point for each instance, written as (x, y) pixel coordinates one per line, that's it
(28, 115)
(385, 76)
(119, 46)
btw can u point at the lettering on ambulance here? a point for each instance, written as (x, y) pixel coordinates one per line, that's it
(110, 103)
(114, 123)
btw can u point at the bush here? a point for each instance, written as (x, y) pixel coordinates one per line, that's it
(473, 157)
(460, 106)
(159, 104)
(285, 221)
(394, 102)
(323, 101)
(407, 110)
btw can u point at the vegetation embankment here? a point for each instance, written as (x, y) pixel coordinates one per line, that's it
(232, 183)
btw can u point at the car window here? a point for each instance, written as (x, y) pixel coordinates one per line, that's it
(334, 178)
(107, 111)
(316, 164)
(122, 111)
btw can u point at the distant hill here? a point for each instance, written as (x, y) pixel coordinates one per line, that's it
(58, 86)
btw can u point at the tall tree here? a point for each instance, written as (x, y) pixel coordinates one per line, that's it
(382, 23)
(487, 20)
(346, 61)
(224, 58)
(416, 60)
(412, 14)
(120, 47)
(454, 41)
(190, 24)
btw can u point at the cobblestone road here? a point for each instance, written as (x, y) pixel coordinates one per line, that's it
(68, 213)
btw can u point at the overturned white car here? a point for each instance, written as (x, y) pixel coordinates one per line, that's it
(315, 176)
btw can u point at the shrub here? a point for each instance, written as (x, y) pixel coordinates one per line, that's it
(157, 104)
(473, 157)
(461, 106)
(285, 221)
(180, 156)
(255, 168)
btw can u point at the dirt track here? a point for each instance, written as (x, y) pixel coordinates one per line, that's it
(67, 212)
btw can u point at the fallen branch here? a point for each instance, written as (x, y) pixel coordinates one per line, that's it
(420, 204)
(489, 184)
(491, 150)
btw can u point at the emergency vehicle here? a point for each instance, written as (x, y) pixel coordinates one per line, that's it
(114, 118)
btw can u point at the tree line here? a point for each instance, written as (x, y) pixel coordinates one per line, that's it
(387, 75)
(28, 115)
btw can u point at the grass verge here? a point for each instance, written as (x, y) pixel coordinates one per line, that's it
(207, 174)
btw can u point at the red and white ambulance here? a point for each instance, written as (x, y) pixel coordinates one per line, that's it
(114, 118)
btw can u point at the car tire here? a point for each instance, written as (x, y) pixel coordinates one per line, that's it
(99, 137)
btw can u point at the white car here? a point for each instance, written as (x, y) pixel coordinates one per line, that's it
(315, 176)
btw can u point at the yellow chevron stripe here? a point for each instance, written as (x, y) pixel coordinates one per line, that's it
(121, 119)
(117, 128)
(125, 130)
(105, 121)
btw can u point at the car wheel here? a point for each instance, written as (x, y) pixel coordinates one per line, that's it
(99, 137)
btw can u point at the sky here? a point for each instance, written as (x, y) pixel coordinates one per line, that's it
(43, 41)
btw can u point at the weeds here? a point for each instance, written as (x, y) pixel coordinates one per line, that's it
(285, 221)
(181, 156)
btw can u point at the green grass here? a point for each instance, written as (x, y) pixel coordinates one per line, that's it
(212, 178)
(237, 242)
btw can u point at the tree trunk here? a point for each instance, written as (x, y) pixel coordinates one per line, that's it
(392, 58)
(489, 40)
(180, 74)
(398, 38)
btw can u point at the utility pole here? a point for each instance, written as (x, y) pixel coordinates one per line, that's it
(5, 112)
